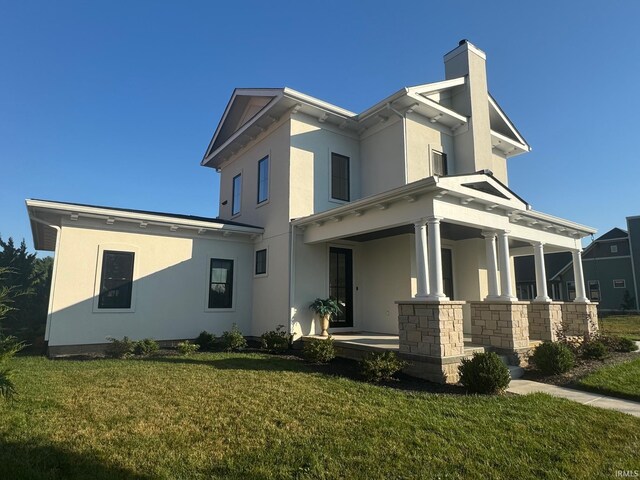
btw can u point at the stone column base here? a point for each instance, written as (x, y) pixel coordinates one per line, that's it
(502, 325)
(545, 320)
(434, 369)
(580, 319)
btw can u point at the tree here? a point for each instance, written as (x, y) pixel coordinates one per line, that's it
(9, 346)
(628, 302)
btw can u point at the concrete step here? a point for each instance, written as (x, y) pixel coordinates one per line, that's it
(514, 370)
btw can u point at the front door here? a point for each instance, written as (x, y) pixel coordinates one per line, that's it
(341, 284)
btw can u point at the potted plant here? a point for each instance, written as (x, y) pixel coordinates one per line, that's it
(325, 308)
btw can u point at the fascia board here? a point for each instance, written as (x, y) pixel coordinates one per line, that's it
(506, 119)
(315, 102)
(436, 87)
(560, 222)
(521, 146)
(435, 105)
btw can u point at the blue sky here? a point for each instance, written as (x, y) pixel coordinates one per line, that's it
(113, 102)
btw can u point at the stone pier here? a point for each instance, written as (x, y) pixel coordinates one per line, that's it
(545, 320)
(580, 319)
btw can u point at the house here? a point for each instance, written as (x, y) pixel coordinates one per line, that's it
(525, 273)
(609, 273)
(403, 212)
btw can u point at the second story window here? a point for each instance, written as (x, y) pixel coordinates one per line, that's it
(439, 163)
(340, 177)
(263, 180)
(236, 195)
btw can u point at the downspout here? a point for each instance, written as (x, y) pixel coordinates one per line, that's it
(292, 272)
(403, 117)
(54, 275)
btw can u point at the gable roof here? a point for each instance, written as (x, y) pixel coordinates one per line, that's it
(251, 111)
(614, 233)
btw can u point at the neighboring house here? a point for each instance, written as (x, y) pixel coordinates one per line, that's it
(525, 273)
(402, 212)
(609, 273)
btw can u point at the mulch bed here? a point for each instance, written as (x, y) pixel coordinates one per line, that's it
(581, 370)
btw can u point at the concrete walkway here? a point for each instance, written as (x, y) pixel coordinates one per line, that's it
(522, 387)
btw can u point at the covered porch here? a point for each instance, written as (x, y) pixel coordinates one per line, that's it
(433, 264)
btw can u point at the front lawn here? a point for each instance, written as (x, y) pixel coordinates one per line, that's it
(622, 380)
(623, 325)
(249, 416)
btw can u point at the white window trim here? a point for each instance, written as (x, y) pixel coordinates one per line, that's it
(331, 198)
(613, 248)
(255, 255)
(234, 295)
(115, 247)
(624, 283)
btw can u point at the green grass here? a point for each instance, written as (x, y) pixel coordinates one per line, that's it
(622, 380)
(249, 416)
(624, 325)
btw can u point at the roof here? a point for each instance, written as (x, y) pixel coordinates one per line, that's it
(47, 215)
(251, 111)
(614, 233)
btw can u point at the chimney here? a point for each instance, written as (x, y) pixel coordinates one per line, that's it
(472, 148)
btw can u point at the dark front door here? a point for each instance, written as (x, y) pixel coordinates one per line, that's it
(341, 284)
(447, 273)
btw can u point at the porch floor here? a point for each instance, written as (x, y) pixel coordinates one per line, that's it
(380, 342)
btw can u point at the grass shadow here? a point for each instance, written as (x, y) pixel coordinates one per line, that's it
(46, 461)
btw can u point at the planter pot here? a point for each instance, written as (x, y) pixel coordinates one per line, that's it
(324, 323)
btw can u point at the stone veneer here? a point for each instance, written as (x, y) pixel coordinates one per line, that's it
(580, 319)
(431, 338)
(545, 320)
(502, 325)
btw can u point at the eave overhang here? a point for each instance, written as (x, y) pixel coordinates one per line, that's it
(45, 216)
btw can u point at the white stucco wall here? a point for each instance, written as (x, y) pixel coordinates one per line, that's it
(422, 138)
(382, 151)
(171, 282)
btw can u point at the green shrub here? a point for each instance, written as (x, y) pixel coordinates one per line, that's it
(232, 340)
(594, 350)
(619, 344)
(552, 358)
(381, 366)
(146, 347)
(187, 348)
(277, 341)
(318, 350)
(484, 373)
(9, 346)
(119, 348)
(206, 341)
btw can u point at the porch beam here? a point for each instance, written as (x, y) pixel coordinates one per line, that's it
(436, 289)
(422, 263)
(541, 275)
(578, 275)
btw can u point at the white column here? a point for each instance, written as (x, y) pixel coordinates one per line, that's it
(436, 290)
(541, 274)
(505, 267)
(422, 265)
(492, 265)
(578, 276)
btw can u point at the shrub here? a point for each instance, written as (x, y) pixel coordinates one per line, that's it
(318, 350)
(277, 340)
(594, 349)
(552, 358)
(484, 373)
(119, 348)
(232, 340)
(381, 366)
(9, 346)
(187, 348)
(206, 341)
(146, 347)
(619, 344)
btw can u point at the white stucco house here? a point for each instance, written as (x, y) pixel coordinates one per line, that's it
(403, 212)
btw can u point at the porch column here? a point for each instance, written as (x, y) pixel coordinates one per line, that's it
(422, 266)
(578, 276)
(492, 265)
(505, 267)
(436, 290)
(541, 275)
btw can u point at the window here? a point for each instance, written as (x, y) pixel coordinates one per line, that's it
(594, 290)
(614, 248)
(116, 281)
(571, 291)
(261, 262)
(221, 283)
(236, 195)
(619, 284)
(339, 177)
(263, 180)
(439, 163)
